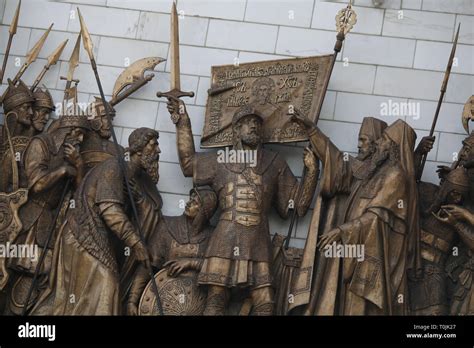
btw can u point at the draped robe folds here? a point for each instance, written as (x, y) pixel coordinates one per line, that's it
(371, 213)
(85, 276)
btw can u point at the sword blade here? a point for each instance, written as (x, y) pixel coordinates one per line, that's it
(174, 49)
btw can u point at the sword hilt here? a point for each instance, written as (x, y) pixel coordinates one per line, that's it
(174, 94)
(65, 78)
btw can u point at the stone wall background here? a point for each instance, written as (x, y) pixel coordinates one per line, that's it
(391, 55)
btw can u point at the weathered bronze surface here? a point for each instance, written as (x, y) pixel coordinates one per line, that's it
(380, 240)
(177, 245)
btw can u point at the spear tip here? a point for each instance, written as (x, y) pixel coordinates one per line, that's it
(86, 38)
(54, 57)
(33, 53)
(457, 33)
(14, 24)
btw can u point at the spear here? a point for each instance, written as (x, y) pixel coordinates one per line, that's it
(73, 64)
(444, 86)
(86, 39)
(345, 20)
(52, 60)
(12, 31)
(32, 55)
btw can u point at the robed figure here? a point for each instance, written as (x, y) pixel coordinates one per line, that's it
(380, 213)
(85, 278)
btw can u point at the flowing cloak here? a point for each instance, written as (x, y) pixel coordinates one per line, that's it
(85, 274)
(376, 215)
(328, 214)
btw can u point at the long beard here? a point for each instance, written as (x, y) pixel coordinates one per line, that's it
(362, 156)
(370, 165)
(252, 139)
(151, 165)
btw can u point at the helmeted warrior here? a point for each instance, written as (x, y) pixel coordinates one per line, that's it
(42, 109)
(50, 160)
(428, 295)
(240, 251)
(97, 146)
(17, 131)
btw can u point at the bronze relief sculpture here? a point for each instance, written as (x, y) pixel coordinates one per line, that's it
(380, 240)
(239, 251)
(177, 246)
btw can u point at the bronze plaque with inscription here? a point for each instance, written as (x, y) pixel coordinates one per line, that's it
(273, 88)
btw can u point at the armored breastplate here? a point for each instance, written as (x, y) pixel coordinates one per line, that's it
(240, 199)
(436, 240)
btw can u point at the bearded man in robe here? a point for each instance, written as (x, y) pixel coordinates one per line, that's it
(323, 278)
(381, 214)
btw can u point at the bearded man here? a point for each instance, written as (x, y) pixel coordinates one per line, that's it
(240, 251)
(85, 272)
(320, 296)
(380, 214)
(42, 109)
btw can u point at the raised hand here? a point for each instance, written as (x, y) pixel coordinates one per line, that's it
(309, 159)
(298, 117)
(72, 155)
(176, 108)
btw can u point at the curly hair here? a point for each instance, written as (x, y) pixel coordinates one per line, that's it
(139, 138)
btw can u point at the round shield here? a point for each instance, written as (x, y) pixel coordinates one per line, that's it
(179, 295)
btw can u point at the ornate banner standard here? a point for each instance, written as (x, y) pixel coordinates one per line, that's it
(274, 88)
